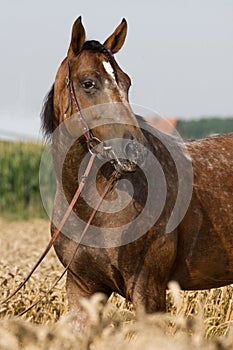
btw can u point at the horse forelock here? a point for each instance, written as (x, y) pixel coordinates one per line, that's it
(47, 114)
(93, 45)
(96, 46)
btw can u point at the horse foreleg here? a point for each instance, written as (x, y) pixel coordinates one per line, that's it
(150, 299)
(74, 295)
(149, 286)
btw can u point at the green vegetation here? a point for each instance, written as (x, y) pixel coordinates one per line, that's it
(19, 169)
(204, 127)
(19, 180)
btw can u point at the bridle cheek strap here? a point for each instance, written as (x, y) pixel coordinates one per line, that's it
(76, 108)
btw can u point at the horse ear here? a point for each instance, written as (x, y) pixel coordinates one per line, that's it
(77, 38)
(117, 39)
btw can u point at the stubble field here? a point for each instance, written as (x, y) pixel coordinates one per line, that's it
(195, 320)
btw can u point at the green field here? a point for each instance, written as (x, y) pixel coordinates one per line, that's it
(204, 127)
(19, 175)
(20, 162)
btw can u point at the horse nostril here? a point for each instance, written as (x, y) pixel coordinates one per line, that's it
(133, 152)
(128, 136)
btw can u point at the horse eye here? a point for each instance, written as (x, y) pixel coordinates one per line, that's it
(88, 84)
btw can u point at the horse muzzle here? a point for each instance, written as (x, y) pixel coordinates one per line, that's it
(126, 155)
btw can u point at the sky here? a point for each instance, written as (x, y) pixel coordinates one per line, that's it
(178, 53)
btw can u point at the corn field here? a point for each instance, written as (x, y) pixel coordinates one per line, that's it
(19, 185)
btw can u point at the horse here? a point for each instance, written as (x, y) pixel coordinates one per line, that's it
(142, 236)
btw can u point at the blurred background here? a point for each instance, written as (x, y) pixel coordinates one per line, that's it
(179, 55)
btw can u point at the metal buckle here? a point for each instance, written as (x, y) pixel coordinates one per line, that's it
(67, 81)
(107, 149)
(91, 146)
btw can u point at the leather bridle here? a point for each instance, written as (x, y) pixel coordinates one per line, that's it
(75, 106)
(92, 141)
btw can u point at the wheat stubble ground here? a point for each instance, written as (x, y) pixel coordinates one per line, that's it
(195, 320)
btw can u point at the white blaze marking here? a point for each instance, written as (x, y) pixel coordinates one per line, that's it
(109, 69)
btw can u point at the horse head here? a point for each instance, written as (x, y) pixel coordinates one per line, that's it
(91, 96)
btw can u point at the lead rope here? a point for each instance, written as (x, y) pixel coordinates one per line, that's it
(108, 187)
(89, 138)
(57, 232)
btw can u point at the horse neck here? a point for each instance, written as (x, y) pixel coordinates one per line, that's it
(68, 154)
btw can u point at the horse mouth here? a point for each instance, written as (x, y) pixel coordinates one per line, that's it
(124, 166)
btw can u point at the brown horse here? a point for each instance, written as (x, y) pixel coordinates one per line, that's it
(169, 215)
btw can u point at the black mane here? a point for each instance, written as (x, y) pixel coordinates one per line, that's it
(96, 46)
(47, 114)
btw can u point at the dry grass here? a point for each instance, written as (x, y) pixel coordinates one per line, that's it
(196, 320)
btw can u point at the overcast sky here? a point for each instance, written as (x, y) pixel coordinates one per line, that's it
(179, 54)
